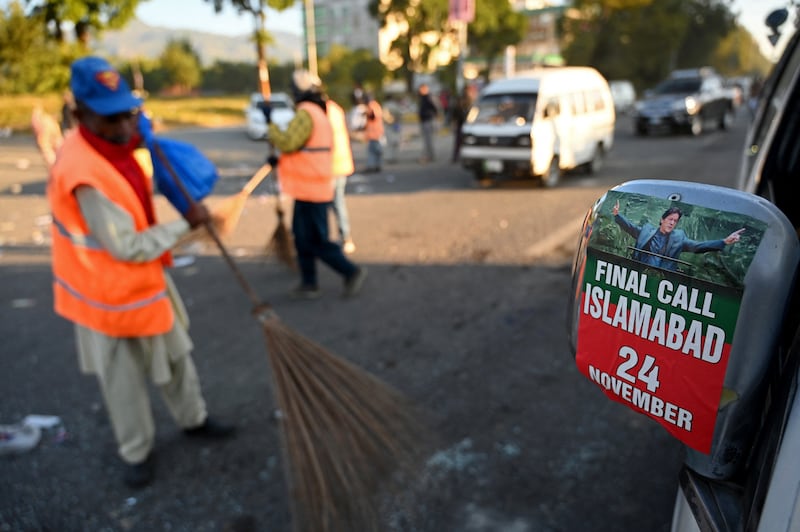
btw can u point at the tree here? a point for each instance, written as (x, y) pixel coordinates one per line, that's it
(424, 28)
(84, 15)
(643, 40)
(342, 68)
(496, 26)
(26, 53)
(182, 65)
(260, 36)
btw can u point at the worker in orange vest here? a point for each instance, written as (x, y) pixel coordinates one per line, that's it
(305, 173)
(109, 278)
(374, 134)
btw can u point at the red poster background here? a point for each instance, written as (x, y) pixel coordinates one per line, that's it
(685, 381)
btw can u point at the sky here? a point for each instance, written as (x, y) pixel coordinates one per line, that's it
(199, 15)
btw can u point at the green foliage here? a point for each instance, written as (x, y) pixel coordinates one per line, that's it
(84, 15)
(427, 23)
(26, 53)
(643, 40)
(342, 68)
(182, 65)
(496, 26)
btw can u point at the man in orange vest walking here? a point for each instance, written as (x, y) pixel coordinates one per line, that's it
(305, 172)
(109, 278)
(374, 134)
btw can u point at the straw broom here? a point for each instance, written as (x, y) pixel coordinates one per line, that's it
(345, 435)
(280, 244)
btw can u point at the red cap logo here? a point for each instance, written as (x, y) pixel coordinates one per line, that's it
(109, 79)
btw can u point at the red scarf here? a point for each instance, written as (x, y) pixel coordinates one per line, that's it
(121, 157)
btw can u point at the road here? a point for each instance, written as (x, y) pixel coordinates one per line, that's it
(463, 312)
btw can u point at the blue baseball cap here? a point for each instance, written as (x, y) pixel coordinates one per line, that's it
(98, 85)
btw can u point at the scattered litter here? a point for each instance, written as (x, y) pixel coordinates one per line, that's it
(23, 303)
(18, 438)
(37, 237)
(181, 262)
(130, 501)
(23, 164)
(42, 421)
(240, 252)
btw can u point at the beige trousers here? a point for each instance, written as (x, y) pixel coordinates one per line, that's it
(124, 384)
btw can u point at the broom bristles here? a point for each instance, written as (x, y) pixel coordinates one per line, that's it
(345, 434)
(281, 244)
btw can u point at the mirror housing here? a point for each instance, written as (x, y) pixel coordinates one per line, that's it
(687, 343)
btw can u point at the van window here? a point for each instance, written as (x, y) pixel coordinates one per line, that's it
(552, 109)
(577, 101)
(503, 109)
(595, 100)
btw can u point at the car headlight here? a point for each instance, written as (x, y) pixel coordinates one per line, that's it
(470, 139)
(691, 105)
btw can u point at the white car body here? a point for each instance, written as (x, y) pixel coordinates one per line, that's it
(282, 113)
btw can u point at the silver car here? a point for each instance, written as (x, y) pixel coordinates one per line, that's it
(282, 112)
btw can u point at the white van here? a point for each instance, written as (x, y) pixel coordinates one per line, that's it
(540, 124)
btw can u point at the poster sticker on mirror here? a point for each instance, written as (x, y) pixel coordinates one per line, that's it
(662, 284)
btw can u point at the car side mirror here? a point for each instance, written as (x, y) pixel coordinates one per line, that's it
(679, 290)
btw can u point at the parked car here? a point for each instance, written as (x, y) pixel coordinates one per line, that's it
(688, 100)
(623, 94)
(737, 414)
(540, 124)
(282, 112)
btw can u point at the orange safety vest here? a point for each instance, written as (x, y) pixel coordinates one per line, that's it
(307, 174)
(342, 151)
(374, 129)
(90, 286)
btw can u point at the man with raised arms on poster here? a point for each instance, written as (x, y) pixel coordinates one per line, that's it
(655, 246)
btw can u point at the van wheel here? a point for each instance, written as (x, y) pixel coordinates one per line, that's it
(553, 174)
(597, 161)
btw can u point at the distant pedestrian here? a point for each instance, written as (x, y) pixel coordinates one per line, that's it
(343, 167)
(374, 133)
(427, 112)
(393, 117)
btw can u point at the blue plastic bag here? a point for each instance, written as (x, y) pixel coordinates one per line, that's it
(197, 173)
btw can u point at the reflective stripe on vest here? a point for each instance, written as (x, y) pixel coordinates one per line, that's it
(307, 174)
(90, 286)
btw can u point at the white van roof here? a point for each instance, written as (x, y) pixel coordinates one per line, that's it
(531, 81)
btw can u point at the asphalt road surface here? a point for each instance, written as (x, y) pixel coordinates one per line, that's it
(463, 311)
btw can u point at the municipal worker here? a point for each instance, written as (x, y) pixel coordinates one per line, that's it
(305, 172)
(109, 255)
(374, 134)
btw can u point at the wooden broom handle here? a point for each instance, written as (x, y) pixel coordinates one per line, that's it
(257, 178)
(258, 305)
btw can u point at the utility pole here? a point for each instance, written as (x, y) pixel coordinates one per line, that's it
(311, 37)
